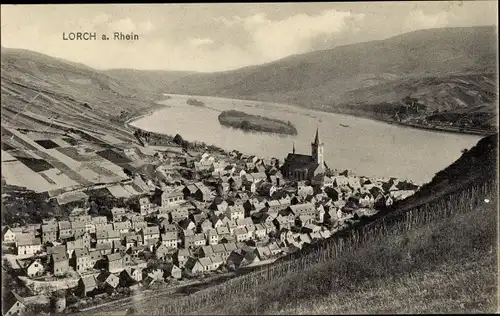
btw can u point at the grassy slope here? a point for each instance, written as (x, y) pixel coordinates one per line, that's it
(449, 266)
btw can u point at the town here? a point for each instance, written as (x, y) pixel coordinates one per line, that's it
(188, 215)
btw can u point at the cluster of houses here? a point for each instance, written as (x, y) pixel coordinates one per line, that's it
(241, 212)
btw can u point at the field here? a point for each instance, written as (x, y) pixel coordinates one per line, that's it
(53, 163)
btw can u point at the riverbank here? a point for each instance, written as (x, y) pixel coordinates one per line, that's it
(358, 114)
(389, 120)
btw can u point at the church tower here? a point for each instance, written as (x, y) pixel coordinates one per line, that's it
(317, 149)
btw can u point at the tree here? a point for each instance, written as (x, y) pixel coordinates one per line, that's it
(178, 139)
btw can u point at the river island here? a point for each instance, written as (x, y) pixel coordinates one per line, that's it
(256, 123)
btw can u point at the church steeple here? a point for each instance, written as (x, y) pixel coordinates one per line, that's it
(316, 139)
(293, 149)
(317, 149)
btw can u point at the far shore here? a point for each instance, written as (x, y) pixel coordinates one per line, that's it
(437, 129)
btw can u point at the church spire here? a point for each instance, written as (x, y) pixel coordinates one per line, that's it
(317, 149)
(293, 149)
(316, 139)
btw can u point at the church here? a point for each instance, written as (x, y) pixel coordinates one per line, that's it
(304, 167)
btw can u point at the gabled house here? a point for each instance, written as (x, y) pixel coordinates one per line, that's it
(235, 211)
(59, 263)
(49, 232)
(81, 260)
(150, 233)
(122, 227)
(34, 269)
(65, 230)
(181, 257)
(87, 285)
(170, 239)
(212, 237)
(13, 304)
(173, 196)
(29, 247)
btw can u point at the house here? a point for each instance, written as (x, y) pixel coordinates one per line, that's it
(178, 215)
(49, 232)
(99, 220)
(130, 276)
(162, 252)
(215, 221)
(78, 228)
(302, 209)
(171, 270)
(132, 240)
(29, 247)
(206, 225)
(222, 231)
(311, 228)
(117, 214)
(65, 230)
(260, 231)
(174, 196)
(206, 251)
(87, 285)
(187, 224)
(170, 239)
(113, 235)
(240, 258)
(96, 258)
(122, 227)
(9, 234)
(241, 234)
(81, 260)
(115, 262)
(90, 228)
(59, 263)
(212, 237)
(235, 211)
(203, 194)
(34, 269)
(137, 226)
(150, 233)
(266, 189)
(199, 240)
(71, 245)
(283, 222)
(13, 304)
(200, 265)
(109, 281)
(182, 256)
(322, 181)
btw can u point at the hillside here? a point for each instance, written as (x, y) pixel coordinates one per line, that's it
(445, 70)
(153, 80)
(40, 92)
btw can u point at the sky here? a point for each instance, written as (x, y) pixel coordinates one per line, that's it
(218, 37)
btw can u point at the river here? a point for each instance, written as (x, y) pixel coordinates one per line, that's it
(367, 147)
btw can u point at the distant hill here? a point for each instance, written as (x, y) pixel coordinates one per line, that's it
(149, 80)
(445, 69)
(64, 91)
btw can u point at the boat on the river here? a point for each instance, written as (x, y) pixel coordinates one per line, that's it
(343, 125)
